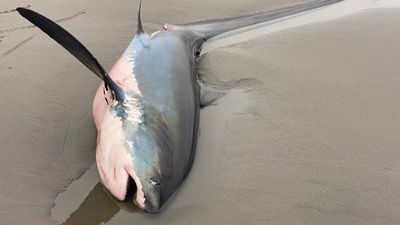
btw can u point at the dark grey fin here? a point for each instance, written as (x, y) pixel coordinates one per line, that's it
(72, 45)
(139, 29)
(211, 28)
(208, 95)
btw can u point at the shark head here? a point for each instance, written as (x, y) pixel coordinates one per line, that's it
(133, 152)
(133, 155)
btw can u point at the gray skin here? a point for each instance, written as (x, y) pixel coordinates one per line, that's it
(169, 105)
(162, 142)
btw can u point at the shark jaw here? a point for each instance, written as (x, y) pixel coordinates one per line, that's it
(114, 162)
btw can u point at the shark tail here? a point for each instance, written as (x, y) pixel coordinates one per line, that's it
(211, 28)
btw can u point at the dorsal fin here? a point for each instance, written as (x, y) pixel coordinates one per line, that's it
(71, 44)
(139, 29)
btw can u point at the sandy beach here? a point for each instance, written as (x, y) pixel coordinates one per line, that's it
(310, 135)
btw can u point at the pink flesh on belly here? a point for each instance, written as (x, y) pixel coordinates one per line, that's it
(114, 162)
(122, 74)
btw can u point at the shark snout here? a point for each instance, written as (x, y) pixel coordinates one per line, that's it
(145, 195)
(148, 192)
(153, 207)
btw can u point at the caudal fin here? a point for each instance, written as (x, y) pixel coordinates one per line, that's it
(210, 28)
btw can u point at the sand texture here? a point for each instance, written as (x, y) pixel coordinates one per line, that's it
(309, 135)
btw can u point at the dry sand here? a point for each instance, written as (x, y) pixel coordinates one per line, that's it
(312, 138)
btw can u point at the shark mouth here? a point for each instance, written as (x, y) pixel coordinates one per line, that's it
(134, 189)
(128, 189)
(131, 190)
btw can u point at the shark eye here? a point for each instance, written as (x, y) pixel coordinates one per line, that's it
(155, 181)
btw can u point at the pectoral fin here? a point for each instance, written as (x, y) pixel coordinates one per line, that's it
(72, 45)
(208, 95)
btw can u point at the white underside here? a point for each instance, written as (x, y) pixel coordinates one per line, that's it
(114, 161)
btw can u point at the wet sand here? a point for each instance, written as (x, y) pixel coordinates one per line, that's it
(310, 136)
